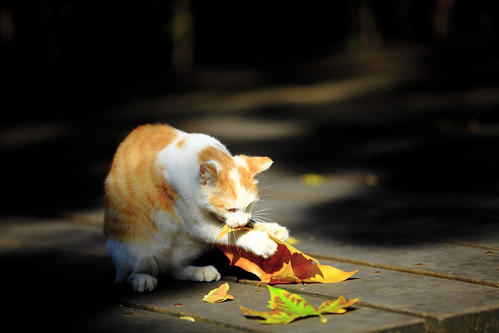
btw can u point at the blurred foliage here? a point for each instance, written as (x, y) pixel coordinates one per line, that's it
(154, 35)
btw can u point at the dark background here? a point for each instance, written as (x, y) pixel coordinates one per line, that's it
(69, 66)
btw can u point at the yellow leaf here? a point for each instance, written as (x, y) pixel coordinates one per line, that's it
(226, 229)
(218, 295)
(331, 274)
(187, 318)
(371, 180)
(313, 179)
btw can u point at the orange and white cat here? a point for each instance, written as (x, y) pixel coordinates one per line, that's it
(166, 195)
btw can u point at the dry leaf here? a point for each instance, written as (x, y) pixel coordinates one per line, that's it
(287, 265)
(218, 295)
(226, 229)
(313, 179)
(187, 318)
(371, 180)
(286, 307)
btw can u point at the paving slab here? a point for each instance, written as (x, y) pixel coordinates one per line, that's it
(64, 234)
(445, 260)
(49, 289)
(185, 299)
(119, 318)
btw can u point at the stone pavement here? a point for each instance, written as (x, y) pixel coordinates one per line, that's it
(391, 171)
(407, 284)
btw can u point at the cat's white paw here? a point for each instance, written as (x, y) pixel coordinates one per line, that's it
(258, 242)
(143, 282)
(206, 273)
(274, 229)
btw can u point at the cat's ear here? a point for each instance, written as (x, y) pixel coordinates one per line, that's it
(257, 164)
(208, 172)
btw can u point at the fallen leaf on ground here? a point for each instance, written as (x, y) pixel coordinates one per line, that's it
(218, 295)
(187, 318)
(313, 179)
(286, 265)
(286, 307)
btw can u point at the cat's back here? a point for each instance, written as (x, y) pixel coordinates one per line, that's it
(134, 187)
(142, 144)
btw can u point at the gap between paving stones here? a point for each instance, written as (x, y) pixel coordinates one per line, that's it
(178, 314)
(466, 244)
(406, 270)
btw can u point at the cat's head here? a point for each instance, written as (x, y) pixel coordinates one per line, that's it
(228, 184)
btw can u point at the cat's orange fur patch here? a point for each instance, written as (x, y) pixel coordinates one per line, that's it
(246, 179)
(181, 143)
(135, 188)
(227, 188)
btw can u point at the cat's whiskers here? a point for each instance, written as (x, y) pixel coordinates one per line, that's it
(219, 229)
(262, 215)
(264, 220)
(266, 187)
(234, 235)
(264, 197)
(264, 210)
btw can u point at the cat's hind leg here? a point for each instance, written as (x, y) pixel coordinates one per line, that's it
(134, 263)
(184, 252)
(142, 282)
(196, 273)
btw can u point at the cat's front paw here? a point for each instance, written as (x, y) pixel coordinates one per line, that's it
(143, 282)
(259, 243)
(274, 229)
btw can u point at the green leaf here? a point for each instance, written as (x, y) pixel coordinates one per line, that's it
(286, 307)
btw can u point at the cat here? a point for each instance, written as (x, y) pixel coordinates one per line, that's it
(168, 194)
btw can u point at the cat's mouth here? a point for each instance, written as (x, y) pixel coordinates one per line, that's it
(217, 217)
(250, 224)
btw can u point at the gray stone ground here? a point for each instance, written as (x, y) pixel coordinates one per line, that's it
(408, 194)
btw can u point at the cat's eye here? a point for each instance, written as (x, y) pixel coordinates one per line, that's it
(232, 210)
(250, 207)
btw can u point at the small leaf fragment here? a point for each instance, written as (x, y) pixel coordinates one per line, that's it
(313, 179)
(187, 318)
(219, 294)
(292, 240)
(337, 306)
